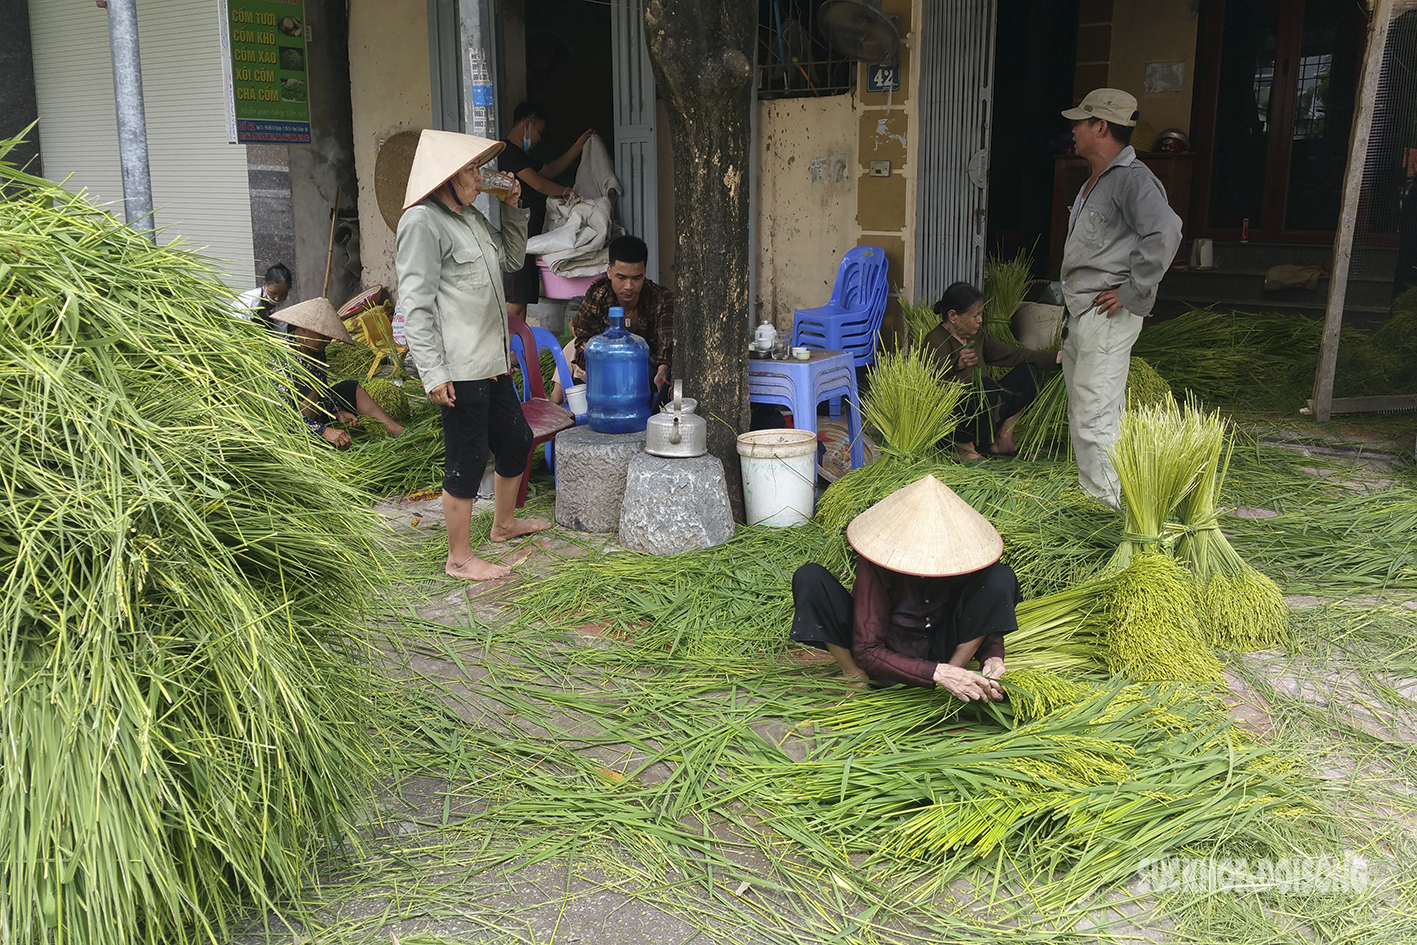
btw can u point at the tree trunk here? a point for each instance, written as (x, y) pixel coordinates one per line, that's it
(702, 54)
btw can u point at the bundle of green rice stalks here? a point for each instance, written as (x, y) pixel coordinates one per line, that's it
(1145, 387)
(390, 396)
(729, 602)
(920, 318)
(1240, 608)
(1158, 457)
(1152, 630)
(185, 711)
(1005, 283)
(910, 402)
(384, 465)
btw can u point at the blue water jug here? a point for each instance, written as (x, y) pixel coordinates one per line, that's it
(617, 378)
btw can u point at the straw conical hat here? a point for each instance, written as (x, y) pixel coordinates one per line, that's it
(926, 530)
(440, 155)
(317, 315)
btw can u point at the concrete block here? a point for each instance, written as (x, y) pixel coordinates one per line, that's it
(674, 505)
(590, 477)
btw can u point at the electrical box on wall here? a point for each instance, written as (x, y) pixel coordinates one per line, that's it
(880, 169)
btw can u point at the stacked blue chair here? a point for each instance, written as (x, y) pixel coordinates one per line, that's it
(851, 321)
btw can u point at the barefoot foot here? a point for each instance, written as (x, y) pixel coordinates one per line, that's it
(394, 428)
(475, 569)
(518, 528)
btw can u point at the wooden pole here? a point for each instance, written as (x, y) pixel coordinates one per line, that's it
(330, 252)
(1348, 215)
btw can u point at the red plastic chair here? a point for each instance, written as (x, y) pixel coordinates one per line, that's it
(545, 418)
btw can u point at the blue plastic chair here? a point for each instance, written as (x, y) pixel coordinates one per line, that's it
(851, 321)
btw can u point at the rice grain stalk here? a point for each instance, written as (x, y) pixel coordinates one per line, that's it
(1151, 629)
(910, 402)
(1240, 608)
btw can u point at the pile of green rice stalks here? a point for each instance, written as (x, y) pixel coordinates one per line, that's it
(1043, 428)
(1065, 788)
(184, 708)
(390, 396)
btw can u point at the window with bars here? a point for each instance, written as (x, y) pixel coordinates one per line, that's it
(794, 60)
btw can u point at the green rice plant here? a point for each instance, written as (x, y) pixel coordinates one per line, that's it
(390, 396)
(1042, 430)
(349, 361)
(1065, 790)
(910, 402)
(1005, 284)
(920, 319)
(1240, 608)
(183, 688)
(731, 602)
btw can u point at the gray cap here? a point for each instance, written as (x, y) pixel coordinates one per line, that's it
(1114, 105)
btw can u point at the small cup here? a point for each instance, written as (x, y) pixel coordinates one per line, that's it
(575, 399)
(802, 354)
(495, 182)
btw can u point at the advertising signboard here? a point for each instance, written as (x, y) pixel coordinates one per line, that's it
(267, 92)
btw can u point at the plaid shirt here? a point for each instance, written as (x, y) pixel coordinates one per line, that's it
(654, 321)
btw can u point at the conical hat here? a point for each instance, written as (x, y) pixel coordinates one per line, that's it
(440, 155)
(316, 314)
(926, 530)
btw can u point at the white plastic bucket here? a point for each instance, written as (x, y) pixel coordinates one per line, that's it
(779, 475)
(575, 399)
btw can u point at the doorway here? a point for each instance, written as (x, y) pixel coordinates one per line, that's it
(1276, 83)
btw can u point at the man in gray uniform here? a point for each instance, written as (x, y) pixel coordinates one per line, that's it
(1122, 236)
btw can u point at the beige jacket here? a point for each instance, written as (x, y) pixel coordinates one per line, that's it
(450, 269)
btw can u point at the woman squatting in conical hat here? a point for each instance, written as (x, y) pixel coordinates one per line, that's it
(930, 596)
(450, 264)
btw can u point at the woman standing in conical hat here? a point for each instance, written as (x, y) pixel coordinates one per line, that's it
(450, 264)
(930, 596)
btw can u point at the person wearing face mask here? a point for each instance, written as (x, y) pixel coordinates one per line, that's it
(964, 352)
(528, 125)
(450, 261)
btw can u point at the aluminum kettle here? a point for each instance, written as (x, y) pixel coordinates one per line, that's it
(676, 431)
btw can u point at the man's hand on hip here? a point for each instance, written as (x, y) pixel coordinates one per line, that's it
(442, 394)
(1107, 303)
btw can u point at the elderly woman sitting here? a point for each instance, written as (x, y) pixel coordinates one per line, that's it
(930, 596)
(965, 352)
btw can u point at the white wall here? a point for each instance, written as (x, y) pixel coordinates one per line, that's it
(200, 187)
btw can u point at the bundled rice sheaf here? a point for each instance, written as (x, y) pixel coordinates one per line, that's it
(185, 712)
(1240, 608)
(911, 402)
(1159, 456)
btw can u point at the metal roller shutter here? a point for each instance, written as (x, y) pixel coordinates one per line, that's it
(956, 105)
(200, 185)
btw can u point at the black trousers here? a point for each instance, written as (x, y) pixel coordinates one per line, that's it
(998, 401)
(823, 612)
(486, 415)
